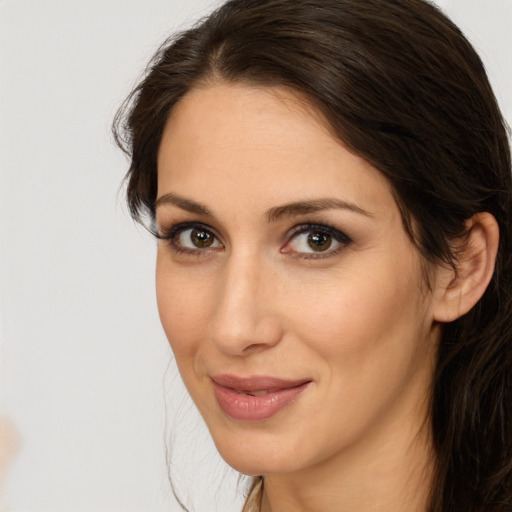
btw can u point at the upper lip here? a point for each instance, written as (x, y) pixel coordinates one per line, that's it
(256, 383)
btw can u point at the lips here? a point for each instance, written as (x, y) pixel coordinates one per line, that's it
(255, 398)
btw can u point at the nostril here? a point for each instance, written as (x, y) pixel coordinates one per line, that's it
(244, 338)
(254, 347)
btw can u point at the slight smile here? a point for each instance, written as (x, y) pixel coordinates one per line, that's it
(255, 398)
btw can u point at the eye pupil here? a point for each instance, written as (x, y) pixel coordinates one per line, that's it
(319, 241)
(201, 238)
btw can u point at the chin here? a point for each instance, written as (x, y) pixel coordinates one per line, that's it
(257, 454)
(255, 466)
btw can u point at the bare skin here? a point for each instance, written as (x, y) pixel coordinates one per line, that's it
(283, 254)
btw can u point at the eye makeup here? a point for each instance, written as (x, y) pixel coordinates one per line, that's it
(192, 238)
(322, 241)
(306, 240)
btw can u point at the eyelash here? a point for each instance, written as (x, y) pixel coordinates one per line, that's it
(337, 235)
(172, 234)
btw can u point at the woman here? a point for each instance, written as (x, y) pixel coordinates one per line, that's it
(330, 184)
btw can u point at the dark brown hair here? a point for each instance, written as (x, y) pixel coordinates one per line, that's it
(403, 88)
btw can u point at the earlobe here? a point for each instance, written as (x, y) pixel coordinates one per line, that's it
(458, 291)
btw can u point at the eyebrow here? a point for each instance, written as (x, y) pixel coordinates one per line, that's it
(311, 206)
(273, 214)
(183, 203)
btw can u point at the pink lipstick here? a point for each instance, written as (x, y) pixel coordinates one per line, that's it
(255, 398)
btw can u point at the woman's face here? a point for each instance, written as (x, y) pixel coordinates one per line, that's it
(289, 291)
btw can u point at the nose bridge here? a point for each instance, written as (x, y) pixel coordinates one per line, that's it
(243, 316)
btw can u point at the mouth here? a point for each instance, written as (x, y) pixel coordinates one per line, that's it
(255, 398)
(260, 392)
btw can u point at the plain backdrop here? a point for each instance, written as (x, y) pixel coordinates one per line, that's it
(86, 374)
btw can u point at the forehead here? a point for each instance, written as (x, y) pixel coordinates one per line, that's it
(267, 143)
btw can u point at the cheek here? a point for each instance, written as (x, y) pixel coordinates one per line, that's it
(369, 337)
(372, 320)
(184, 309)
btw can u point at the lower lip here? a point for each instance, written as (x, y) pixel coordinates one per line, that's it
(255, 408)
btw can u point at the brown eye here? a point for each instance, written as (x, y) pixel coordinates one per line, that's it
(316, 240)
(201, 238)
(195, 238)
(319, 241)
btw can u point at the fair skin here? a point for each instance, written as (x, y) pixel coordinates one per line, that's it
(284, 256)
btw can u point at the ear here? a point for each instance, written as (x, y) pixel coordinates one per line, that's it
(458, 291)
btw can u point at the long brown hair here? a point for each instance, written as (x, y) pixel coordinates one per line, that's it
(404, 89)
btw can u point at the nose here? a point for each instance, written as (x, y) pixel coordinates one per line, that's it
(245, 318)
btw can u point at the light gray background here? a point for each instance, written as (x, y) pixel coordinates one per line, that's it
(83, 360)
